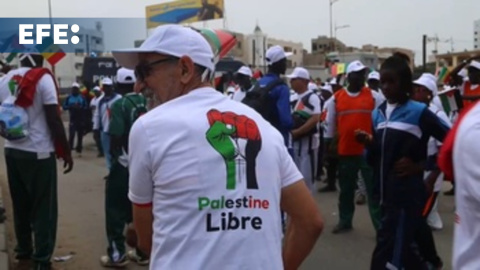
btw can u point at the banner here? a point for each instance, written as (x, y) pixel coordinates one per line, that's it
(184, 11)
(97, 68)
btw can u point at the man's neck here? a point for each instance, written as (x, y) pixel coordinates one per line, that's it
(354, 89)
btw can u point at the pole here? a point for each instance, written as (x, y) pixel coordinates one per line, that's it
(424, 53)
(51, 29)
(331, 19)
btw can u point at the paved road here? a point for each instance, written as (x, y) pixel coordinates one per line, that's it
(81, 223)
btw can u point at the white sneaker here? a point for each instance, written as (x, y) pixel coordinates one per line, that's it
(134, 257)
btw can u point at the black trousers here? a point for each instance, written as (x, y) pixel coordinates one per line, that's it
(332, 168)
(75, 129)
(396, 247)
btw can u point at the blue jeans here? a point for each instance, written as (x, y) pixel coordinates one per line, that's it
(105, 138)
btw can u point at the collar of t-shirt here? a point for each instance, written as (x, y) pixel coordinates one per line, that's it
(389, 109)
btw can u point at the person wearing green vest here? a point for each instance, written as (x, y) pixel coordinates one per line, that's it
(118, 209)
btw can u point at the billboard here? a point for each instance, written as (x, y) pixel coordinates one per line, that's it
(184, 11)
(97, 68)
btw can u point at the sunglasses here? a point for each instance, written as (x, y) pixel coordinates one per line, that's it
(143, 70)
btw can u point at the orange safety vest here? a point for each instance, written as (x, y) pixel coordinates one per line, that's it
(353, 113)
(468, 92)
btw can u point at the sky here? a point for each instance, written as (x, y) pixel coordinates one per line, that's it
(392, 23)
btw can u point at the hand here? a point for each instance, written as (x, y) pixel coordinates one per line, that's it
(67, 163)
(363, 137)
(406, 167)
(295, 134)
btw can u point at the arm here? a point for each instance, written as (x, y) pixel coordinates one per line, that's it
(331, 119)
(96, 115)
(433, 126)
(116, 128)
(65, 104)
(304, 227)
(48, 92)
(305, 221)
(471, 98)
(141, 186)
(283, 106)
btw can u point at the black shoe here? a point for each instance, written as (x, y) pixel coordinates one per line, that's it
(341, 229)
(328, 189)
(451, 192)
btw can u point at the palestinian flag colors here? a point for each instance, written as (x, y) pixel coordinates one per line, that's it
(443, 74)
(451, 100)
(50, 51)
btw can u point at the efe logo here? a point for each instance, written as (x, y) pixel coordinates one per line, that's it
(60, 33)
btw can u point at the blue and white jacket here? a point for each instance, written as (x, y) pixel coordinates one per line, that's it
(404, 134)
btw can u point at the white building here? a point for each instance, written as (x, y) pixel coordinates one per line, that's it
(476, 35)
(257, 43)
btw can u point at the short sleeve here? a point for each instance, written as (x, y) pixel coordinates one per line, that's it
(117, 122)
(315, 101)
(47, 90)
(139, 164)
(289, 172)
(378, 97)
(331, 118)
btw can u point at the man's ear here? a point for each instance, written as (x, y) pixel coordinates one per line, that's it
(187, 69)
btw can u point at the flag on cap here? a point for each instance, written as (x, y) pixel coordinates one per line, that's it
(442, 74)
(50, 51)
(341, 68)
(12, 46)
(451, 100)
(221, 41)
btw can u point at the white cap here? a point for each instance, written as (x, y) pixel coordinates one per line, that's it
(475, 64)
(96, 89)
(327, 87)
(107, 81)
(125, 76)
(275, 54)
(333, 81)
(173, 40)
(355, 66)
(75, 84)
(374, 75)
(312, 86)
(245, 71)
(428, 82)
(463, 73)
(299, 73)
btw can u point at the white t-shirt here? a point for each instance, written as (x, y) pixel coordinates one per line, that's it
(330, 107)
(94, 104)
(239, 95)
(466, 254)
(175, 163)
(39, 139)
(102, 111)
(434, 145)
(314, 100)
(389, 109)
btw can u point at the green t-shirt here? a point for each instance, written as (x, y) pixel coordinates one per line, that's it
(123, 114)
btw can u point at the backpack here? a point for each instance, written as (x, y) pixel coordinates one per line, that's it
(138, 110)
(258, 98)
(13, 118)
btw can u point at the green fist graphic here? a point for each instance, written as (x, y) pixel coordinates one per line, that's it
(218, 135)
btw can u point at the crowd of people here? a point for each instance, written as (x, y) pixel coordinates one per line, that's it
(229, 183)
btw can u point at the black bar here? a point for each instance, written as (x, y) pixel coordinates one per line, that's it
(424, 53)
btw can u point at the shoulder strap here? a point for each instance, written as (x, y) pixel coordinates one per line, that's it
(306, 101)
(273, 84)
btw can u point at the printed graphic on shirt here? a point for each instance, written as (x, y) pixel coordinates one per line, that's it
(226, 131)
(237, 139)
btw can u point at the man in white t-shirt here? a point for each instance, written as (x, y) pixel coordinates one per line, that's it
(93, 106)
(306, 115)
(101, 118)
(30, 162)
(243, 78)
(467, 192)
(208, 175)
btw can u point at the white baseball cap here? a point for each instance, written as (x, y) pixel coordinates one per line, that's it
(107, 81)
(463, 73)
(173, 40)
(333, 81)
(299, 73)
(125, 76)
(327, 87)
(355, 66)
(245, 71)
(374, 75)
(96, 89)
(474, 64)
(75, 84)
(275, 54)
(429, 82)
(312, 86)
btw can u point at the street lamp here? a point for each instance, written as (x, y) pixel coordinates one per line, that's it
(331, 16)
(336, 29)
